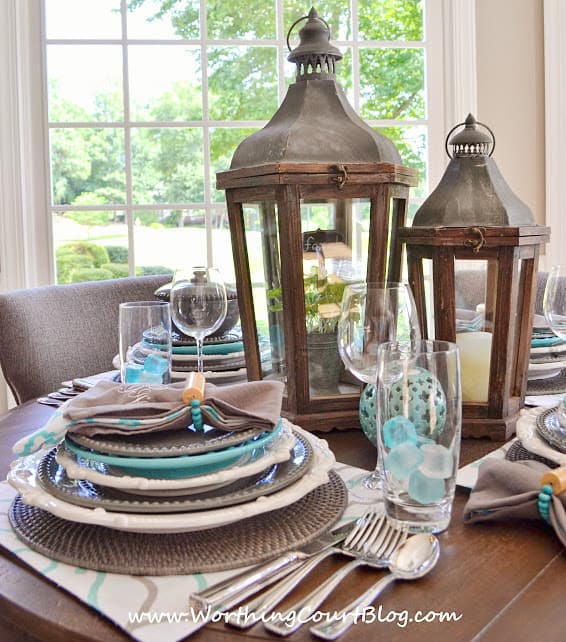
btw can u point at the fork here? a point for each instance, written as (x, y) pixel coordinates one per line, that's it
(364, 528)
(373, 549)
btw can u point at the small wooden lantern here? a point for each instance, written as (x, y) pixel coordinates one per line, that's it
(314, 199)
(478, 237)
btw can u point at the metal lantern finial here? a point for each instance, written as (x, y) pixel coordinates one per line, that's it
(315, 56)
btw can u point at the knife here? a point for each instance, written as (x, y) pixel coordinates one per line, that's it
(226, 594)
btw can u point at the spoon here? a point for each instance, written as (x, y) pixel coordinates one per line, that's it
(411, 561)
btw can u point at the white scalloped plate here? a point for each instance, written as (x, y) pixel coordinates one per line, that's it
(529, 437)
(97, 473)
(23, 478)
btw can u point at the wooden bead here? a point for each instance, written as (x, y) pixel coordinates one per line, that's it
(555, 478)
(194, 388)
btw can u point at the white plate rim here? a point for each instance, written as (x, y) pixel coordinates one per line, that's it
(527, 433)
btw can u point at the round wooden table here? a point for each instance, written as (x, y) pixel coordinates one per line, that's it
(505, 581)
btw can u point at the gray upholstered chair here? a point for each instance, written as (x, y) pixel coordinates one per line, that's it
(58, 332)
(470, 289)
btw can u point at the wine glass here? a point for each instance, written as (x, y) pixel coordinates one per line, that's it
(198, 304)
(372, 313)
(554, 302)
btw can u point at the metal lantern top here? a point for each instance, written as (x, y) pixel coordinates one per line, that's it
(315, 122)
(315, 56)
(472, 191)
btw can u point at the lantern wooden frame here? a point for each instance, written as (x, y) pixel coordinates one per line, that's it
(386, 185)
(512, 255)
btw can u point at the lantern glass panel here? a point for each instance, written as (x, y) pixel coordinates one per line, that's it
(335, 238)
(262, 241)
(475, 296)
(335, 249)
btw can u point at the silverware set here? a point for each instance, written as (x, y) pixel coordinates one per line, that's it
(68, 390)
(371, 541)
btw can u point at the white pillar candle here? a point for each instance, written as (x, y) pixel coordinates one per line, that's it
(475, 361)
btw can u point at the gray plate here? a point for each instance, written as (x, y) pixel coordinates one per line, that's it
(549, 428)
(54, 480)
(166, 443)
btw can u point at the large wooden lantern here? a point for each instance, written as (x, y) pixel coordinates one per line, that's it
(472, 254)
(314, 201)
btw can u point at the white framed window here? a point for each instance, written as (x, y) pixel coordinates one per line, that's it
(445, 48)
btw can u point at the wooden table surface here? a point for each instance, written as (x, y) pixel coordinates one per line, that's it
(505, 581)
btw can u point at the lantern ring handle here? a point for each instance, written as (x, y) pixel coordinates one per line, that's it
(300, 20)
(450, 156)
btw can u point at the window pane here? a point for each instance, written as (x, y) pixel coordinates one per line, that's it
(167, 165)
(83, 19)
(392, 83)
(90, 246)
(158, 19)
(390, 19)
(85, 83)
(242, 83)
(412, 143)
(223, 143)
(165, 83)
(87, 166)
(162, 240)
(222, 247)
(335, 12)
(251, 19)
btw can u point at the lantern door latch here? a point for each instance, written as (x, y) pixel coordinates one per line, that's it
(342, 178)
(476, 238)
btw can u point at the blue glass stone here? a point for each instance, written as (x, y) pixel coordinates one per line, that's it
(149, 377)
(397, 431)
(133, 372)
(156, 364)
(424, 489)
(402, 460)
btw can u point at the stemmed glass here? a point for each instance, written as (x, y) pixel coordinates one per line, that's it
(198, 304)
(554, 303)
(371, 314)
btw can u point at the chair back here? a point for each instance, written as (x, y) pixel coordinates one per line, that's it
(58, 332)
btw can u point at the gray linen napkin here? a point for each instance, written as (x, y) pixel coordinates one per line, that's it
(111, 407)
(509, 490)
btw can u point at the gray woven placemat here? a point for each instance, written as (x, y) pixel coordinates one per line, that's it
(239, 544)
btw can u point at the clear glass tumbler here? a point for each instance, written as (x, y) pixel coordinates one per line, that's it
(419, 419)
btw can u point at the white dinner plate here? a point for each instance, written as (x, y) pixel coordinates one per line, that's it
(545, 370)
(23, 478)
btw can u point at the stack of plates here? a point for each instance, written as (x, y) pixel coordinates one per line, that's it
(224, 358)
(547, 363)
(174, 481)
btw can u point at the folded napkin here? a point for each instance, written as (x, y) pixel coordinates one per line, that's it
(115, 408)
(509, 490)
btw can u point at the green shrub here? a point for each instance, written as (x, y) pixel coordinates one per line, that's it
(118, 270)
(117, 253)
(146, 270)
(97, 253)
(89, 274)
(67, 262)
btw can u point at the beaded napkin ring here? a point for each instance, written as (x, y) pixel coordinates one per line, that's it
(553, 483)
